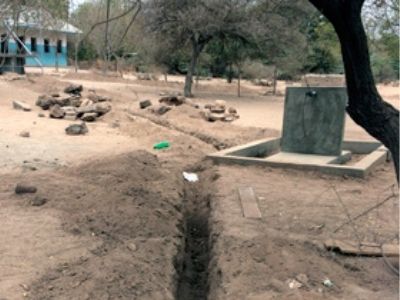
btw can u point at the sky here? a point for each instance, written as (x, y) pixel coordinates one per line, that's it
(76, 3)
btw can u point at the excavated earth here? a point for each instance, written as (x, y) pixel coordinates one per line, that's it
(120, 222)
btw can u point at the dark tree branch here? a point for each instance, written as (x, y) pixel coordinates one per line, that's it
(365, 107)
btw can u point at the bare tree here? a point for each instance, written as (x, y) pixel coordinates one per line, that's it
(365, 107)
(196, 23)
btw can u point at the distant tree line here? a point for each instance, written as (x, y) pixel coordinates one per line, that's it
(232, 38)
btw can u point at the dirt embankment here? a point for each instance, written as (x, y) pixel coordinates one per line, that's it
(132, 207)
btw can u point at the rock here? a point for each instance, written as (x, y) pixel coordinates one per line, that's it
(75, 101)
(70, 116)
(221, 103)
(97, 98)
(20, 105)
(38, 201)
(161, 109)
(25, 189)
(212, 117)
(56, 112)
(73, 89)
(41, 115)
(45, 102)
(145, 103)
(89, 117)
(232, 110)
(132, 247)
(99, 108)
(55, 95)
(217, 109)
(24, 134)
(302, 278)
(70, 113)
(86, 102)
(172, 100)
(229, 118)
(191, 103)
(77, 129)
(69, 109)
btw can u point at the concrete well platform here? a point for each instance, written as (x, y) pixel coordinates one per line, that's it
(309, 159)
(267, 152)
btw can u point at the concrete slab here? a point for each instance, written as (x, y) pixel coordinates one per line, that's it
(309, 159)
(314, 120)
(252, 154)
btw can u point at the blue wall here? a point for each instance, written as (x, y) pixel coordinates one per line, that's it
(47, 59)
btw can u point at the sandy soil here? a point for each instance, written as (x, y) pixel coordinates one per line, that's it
(120, 222)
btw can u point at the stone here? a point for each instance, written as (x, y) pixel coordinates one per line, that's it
(75, 101)
(38, 201)
(75, 89)
(45, 101)
(70, 116)
(55, 95)
(99, 108)
(24, 134)
(232, 110)
(160, 110)
(56, 112)
(145, 103)
(25, 189)
(20, 105)
(77, 129)
(132, 247)
(86, 102)
(217, 109)
(212, 117)
(172, 100)
(89, 117)
(41, 115)
(221, 103)
(314, 120)
(69, 109)
(97, 98)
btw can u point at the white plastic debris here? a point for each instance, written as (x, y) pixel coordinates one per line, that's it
(328, 283)
(191, 177)
(294, 284)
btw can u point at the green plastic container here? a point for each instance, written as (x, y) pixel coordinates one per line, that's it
(161, 145)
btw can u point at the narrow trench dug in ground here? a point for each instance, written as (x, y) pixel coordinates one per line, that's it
(192, 265)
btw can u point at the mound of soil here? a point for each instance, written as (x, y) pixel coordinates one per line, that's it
(133, 207)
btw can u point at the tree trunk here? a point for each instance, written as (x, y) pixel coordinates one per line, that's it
(275, 80)
(196, 49)
(106, 40)
(230, 74)
(239, 77)
(365, 107)
(77, 42)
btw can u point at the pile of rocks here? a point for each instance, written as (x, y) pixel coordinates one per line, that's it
(219, 112)
(166, 102)
(71, 106)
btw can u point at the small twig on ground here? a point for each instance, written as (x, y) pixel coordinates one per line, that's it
(365, 212)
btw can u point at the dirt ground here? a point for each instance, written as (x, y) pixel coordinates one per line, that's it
(121, 223)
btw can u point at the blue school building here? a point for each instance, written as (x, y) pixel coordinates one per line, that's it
(31, 43)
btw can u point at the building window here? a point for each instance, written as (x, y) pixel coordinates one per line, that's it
(4, 43)
(33, 44)
(59, 46)
(46, 46)
(20, 44)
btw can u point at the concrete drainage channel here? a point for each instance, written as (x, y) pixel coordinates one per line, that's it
(193, 262)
